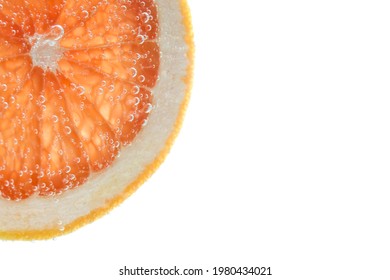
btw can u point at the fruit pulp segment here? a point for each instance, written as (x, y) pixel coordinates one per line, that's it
(67, 112)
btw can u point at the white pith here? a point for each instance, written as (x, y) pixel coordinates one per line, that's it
(46, 213)
(46, 51)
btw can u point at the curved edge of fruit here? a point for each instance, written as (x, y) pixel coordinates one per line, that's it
(148, 171)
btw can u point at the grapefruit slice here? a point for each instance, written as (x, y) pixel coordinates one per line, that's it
(92, 95)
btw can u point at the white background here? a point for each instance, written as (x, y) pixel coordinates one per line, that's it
(283, 160)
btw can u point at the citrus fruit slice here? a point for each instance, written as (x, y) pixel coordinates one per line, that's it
(92, 94)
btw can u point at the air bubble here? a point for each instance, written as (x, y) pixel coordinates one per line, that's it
(136, 89)
(149, 108)
(41, 99)
(145, 17)
(133, 72)
(81, 90)
(56, 32)
(68, 130)
(141, 39)
(145, 122)
(85, 14)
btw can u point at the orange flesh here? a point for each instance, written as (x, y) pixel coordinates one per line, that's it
(57, 126)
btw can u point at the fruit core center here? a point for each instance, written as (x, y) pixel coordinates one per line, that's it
(45, 48)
